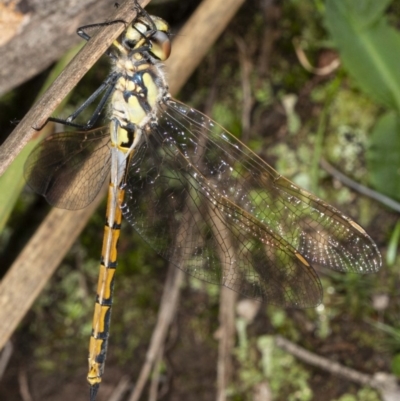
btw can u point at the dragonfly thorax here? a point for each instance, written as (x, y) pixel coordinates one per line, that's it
(140, 85)
(135, 100)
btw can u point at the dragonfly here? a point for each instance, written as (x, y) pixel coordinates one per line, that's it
(196, 194)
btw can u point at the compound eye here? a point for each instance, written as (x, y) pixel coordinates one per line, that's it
(161, 45)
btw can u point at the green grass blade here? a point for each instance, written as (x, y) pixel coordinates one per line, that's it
(12, 181)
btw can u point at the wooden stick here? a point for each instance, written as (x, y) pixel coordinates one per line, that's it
(36, 263)
(44, 252)
(385, 383)
(46, 249)
(64, 83)
(195, 38)
(36, 35)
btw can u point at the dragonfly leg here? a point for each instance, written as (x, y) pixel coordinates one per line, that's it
(109, 83)
(81, 30)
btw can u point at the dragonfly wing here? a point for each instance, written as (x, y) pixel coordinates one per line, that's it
(318, 231)
(69, 168)
(189, 220)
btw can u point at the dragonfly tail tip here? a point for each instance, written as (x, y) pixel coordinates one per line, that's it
(93, 391)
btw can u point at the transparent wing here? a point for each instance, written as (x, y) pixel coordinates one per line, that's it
(223, 215)
(69, 168)
(318, 231)
(188, 223)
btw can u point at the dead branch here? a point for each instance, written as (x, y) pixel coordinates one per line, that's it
(303, 60)
(202, 30)
(389, 202)
(37, 33)
(5, 357)
(384, 383)
(120, 389)
(246, 68)
(24, 385)
(153, 393)
(227, 333)
(169, 303)
(36, 263)
(43, 253)
(64, 83)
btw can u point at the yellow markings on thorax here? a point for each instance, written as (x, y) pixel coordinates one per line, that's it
(136, 112)
(132, 101)
(152, 89)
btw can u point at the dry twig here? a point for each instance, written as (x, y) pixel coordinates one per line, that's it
(384, 383)
(65, 82)
(5, 357)
(36, 33)
(120, 389)
(169, 303)
(301, 56)
(246, 67)
(44, 252)
(23, 385)
(155, 379)
(195, 38)
(389, 202)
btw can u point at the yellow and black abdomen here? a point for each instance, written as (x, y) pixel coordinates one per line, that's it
(108, 264)
(133, 103)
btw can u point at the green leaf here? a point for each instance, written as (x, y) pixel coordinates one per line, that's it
(12, 181)
(11, 184)
(396, 365)
(383, 155)
(369, 48)
(363, 12)
(391, 252)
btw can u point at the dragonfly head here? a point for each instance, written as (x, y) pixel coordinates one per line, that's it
(150, 35)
